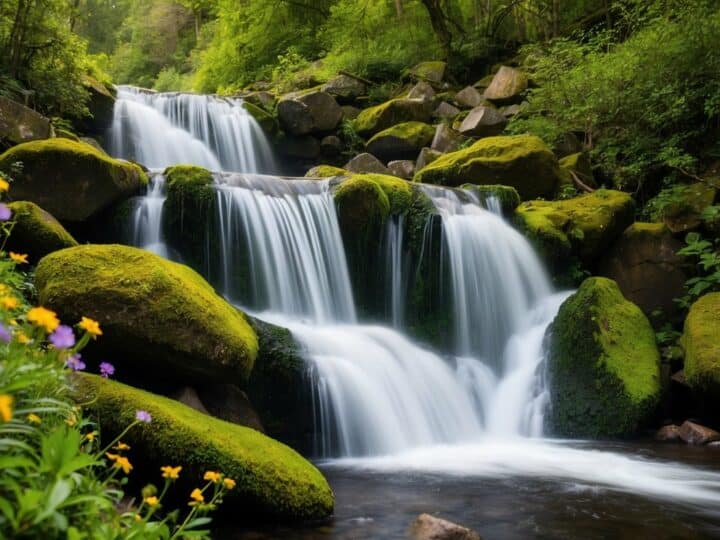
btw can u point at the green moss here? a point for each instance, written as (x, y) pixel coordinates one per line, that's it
(266, 120)
(65, 134)
(36, 232)
(156, 314)
(413, 134)
(583, 226)
(702, 347)
(273, 481)
(362, 205)
(71, 180)
(507, 196)
(397, 190)
(521, 161)
(326, 171)
(433, 70)
(390, 113)
(603, 364)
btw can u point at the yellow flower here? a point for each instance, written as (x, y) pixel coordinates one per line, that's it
(44, 318)
(171, 472)
(91, 326)
(91, 436)
(71, 420)
(123, 463)
(18, 258)
(212, 476)
(33, 418)
(111, 457)
(197, 496)
(120, 446)
(151, 501)
(6, 407)
(4, 185)
(8, 302)
(229, 483)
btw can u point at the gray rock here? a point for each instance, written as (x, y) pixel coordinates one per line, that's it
(511, 110)
(696, 434)
(345, 89)
(303, 147)
(262, 99)
(468, 98)
(483, 122)
(446, 111)
(349, 112)
(19, 124)
(187, 395)
(430, 71)
(366, 163)
(331, 145)
(316, 112)
(427, 156)
(422, 90)
(446, 139)
(507, 86)
(402, 168)
(229, 403)
(427, 527)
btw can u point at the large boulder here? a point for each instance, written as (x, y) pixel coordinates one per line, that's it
(401, 141)
(301, 147)
(422, 90)
(603, 365)
(446, 139)
(314, 112)
(71, 180)
(274, 483)
(483, 122)
(468, 98)
(646, 267)
(19, 124)
(345, 89)
(366, 163)
(507, 86)
(521, 161)
(101, 104)
(702, 348)
(432, 71)
(36, 232)
(395, 111)
(160, 319)
(686, 204)
(583, 226)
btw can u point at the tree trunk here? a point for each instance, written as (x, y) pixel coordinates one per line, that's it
(439, 26)
(399, 9)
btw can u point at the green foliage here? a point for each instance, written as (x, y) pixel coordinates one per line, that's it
(641, 103)
(706, 255)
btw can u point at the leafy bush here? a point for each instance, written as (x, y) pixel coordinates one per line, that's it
(706, 255)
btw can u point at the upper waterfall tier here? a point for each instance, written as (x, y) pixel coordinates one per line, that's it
(163, 129)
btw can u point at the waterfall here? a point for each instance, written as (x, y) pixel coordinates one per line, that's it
(146, 220)
(395, 269)
(163, 129)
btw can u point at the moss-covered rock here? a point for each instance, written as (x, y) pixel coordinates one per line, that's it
(583, 226)
(433, 71)
(267, 121)
(578, 163)
(603, 364)
(521, 161)
(156, 315)
(71, 180)
(390, 113)
(189, 211)
(702, 348)
(362, 205)
(401, 141)
(19, 124)
(325, 171)
(101, 106)
(507, 197)
(36, 232)
(273, 481)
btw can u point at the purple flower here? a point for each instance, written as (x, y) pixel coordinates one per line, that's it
(5, 334)
(106, 369)
(5, 212)
(143, 416)
(75, 363)
(63, 337)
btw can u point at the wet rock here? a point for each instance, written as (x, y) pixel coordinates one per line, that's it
(427, 527)
(427, 156)
(696, 434)
(445, 111)
(446, 139)
(19, 124)
(468, 98)
(483, 122)
(403, 168)
(366, 163)
(345, 89)
(669, 433)
(507, 86)
(422, 90)
(315, 112)
(331, 145)
(303, 147)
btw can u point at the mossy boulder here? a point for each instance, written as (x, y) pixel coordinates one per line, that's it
(325, 171)
(71, 180)
(702, 348)
(274, 483)
(401, 141)
(505, 197)
(521, 161)
(433, 71)
(390, 113)
(583, 226)
(36, 232)
(101, 106)
(160, 319)
(267, 121)
(603, 365)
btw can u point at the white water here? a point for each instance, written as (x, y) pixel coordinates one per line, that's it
(395, 271)
(147, 217)
(163, 129)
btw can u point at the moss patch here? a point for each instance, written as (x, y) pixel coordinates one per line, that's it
(71, 180)
(390, 113)
(36, 232)
(401, 141)
(521, 161)
(326, 171)
(702, 347)
(273, 481)
(603, 364)
(267, 121)
(156, 314)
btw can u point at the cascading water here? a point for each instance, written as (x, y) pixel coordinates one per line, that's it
(163, 129)
(146, 222)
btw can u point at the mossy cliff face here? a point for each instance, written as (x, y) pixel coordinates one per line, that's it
(401, 141)
(603, 365)
(273, 481)
(583, 226)
(702, 348)
(71, 180)
(521, 161)
(36, 232)
(189, 211)
(160, 319)
(396, 111)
